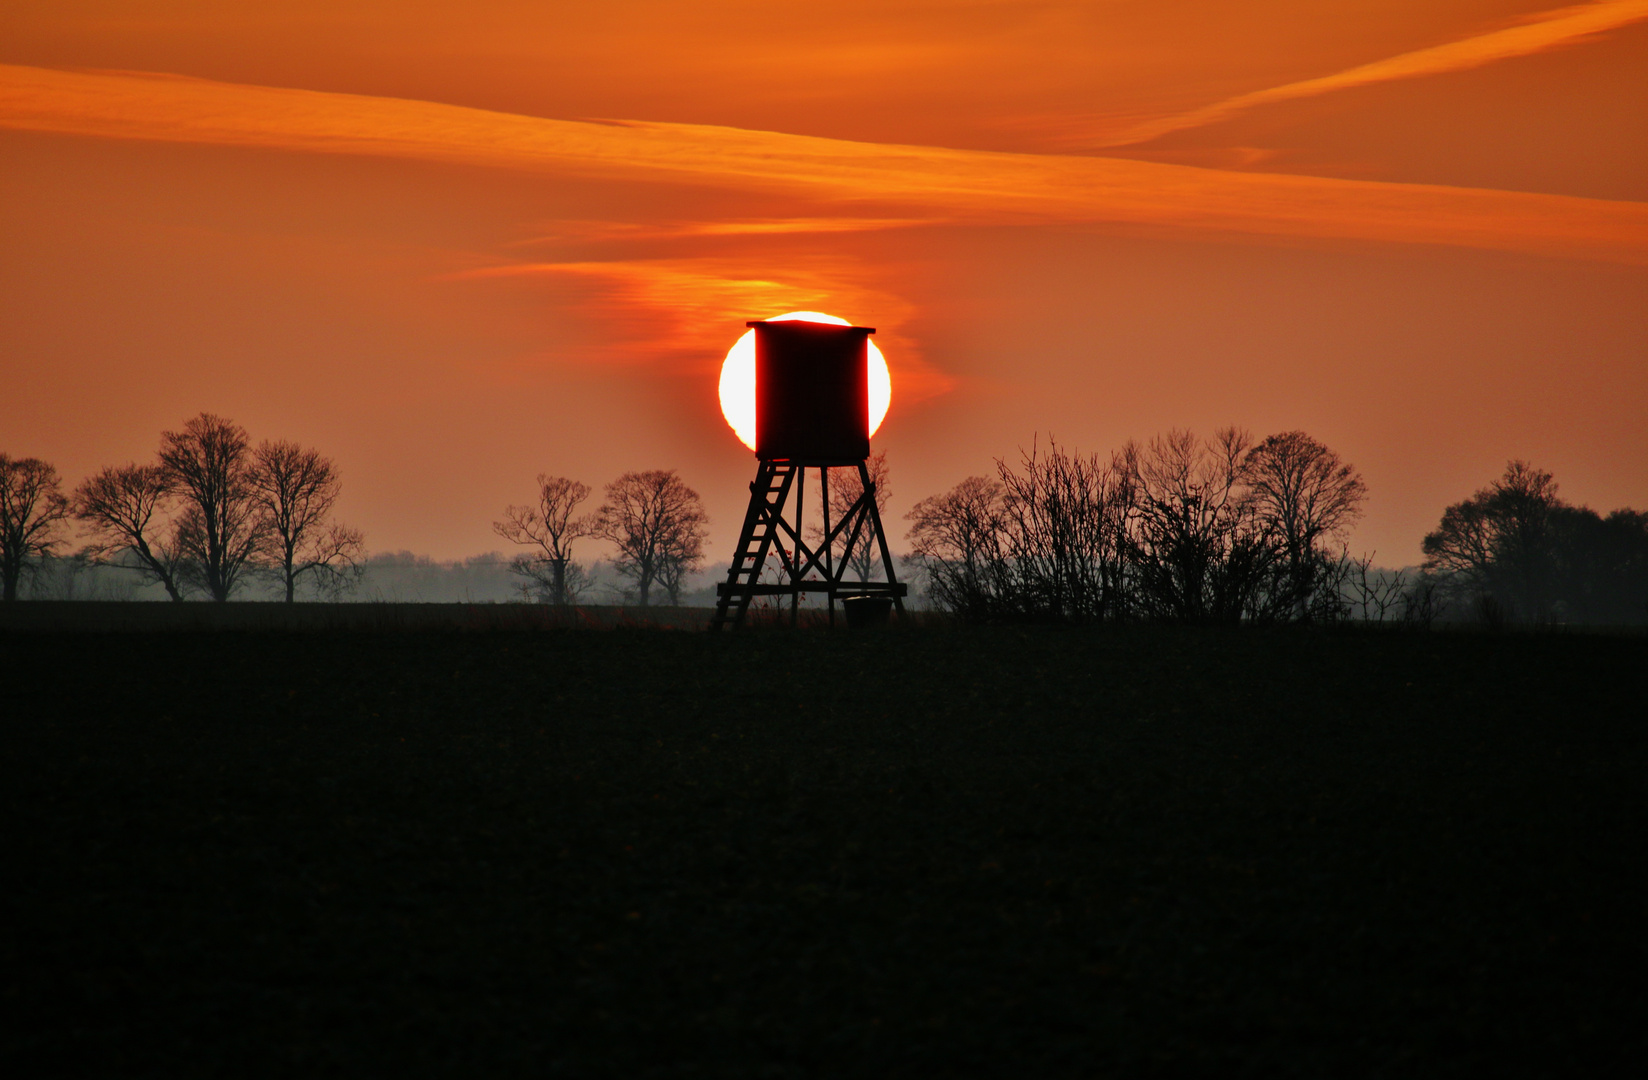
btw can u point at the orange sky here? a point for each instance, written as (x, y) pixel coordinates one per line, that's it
(455, 246)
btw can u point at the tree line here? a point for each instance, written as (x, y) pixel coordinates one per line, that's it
(209, 514)
(1233, 530)
(1515, 552)
(213, 512)
(654, 520)
(1179, 528)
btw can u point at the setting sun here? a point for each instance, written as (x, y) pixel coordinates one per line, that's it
(738, 379)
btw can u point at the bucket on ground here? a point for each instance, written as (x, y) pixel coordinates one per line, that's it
(867, 610)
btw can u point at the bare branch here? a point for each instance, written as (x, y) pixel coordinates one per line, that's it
(551, 527)
(658, 524)
(221, 530)
(33, 509)
(1500, 549)
(295, 489)
(958, 546)
(1302, 494)
(1194, 547)
(127, 508)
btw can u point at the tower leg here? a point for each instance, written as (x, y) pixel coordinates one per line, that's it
(765, 525)
(829, 548)
(881, 537)
(795, 571)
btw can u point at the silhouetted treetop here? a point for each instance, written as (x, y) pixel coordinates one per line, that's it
(551, 526)
(1515, 551)
(33, 510)
(208, 465)
(294, 489)
(213, 513)
(658, 525)
(1302, 494)
(1178, 528)
(126, 508)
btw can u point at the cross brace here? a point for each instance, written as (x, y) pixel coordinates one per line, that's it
(766, 532)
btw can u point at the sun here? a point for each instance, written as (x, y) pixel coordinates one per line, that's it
(738, 379)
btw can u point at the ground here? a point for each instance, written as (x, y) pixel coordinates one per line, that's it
(916, 852)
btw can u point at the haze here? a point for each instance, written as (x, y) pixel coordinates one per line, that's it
(456, 246)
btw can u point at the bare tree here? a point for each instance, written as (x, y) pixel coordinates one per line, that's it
(1065, 535)
(1044, 540)
(658, 524)
(1499, 547)
(1516, 551)
(33, 509)
(294, 490)
(1302, 493)
(551, 527)
(958, 546)
(1179, 528)
(538, 583)
(126, 508)
(221, 529)
(1197, 550)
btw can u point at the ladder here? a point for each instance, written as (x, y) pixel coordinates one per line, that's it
(763, 521)
(805, 568)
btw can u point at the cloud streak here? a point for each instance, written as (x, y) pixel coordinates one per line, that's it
(847, 178)
(688, 304)
(630, 232)
(1546, 31)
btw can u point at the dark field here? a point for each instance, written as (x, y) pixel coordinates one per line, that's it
(907, 853)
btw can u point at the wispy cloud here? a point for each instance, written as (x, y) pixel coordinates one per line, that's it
(630, 231)
(843, 177)
(690, 310)
(1541, 32)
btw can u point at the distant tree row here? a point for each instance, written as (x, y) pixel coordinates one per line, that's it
(1229, 530)
(1516, 552)
(210, 513)
(1177, 528)
(654, 520)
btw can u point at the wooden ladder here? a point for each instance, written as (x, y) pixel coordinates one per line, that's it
(763, 521)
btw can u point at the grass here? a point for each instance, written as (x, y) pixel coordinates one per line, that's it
(81, 616)
(932, 852)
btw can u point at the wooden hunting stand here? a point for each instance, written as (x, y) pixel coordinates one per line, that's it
(812, 406)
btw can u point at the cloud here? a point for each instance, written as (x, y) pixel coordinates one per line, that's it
(1544, 31)
(629, 231)
(689, 311)
(832, 177)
